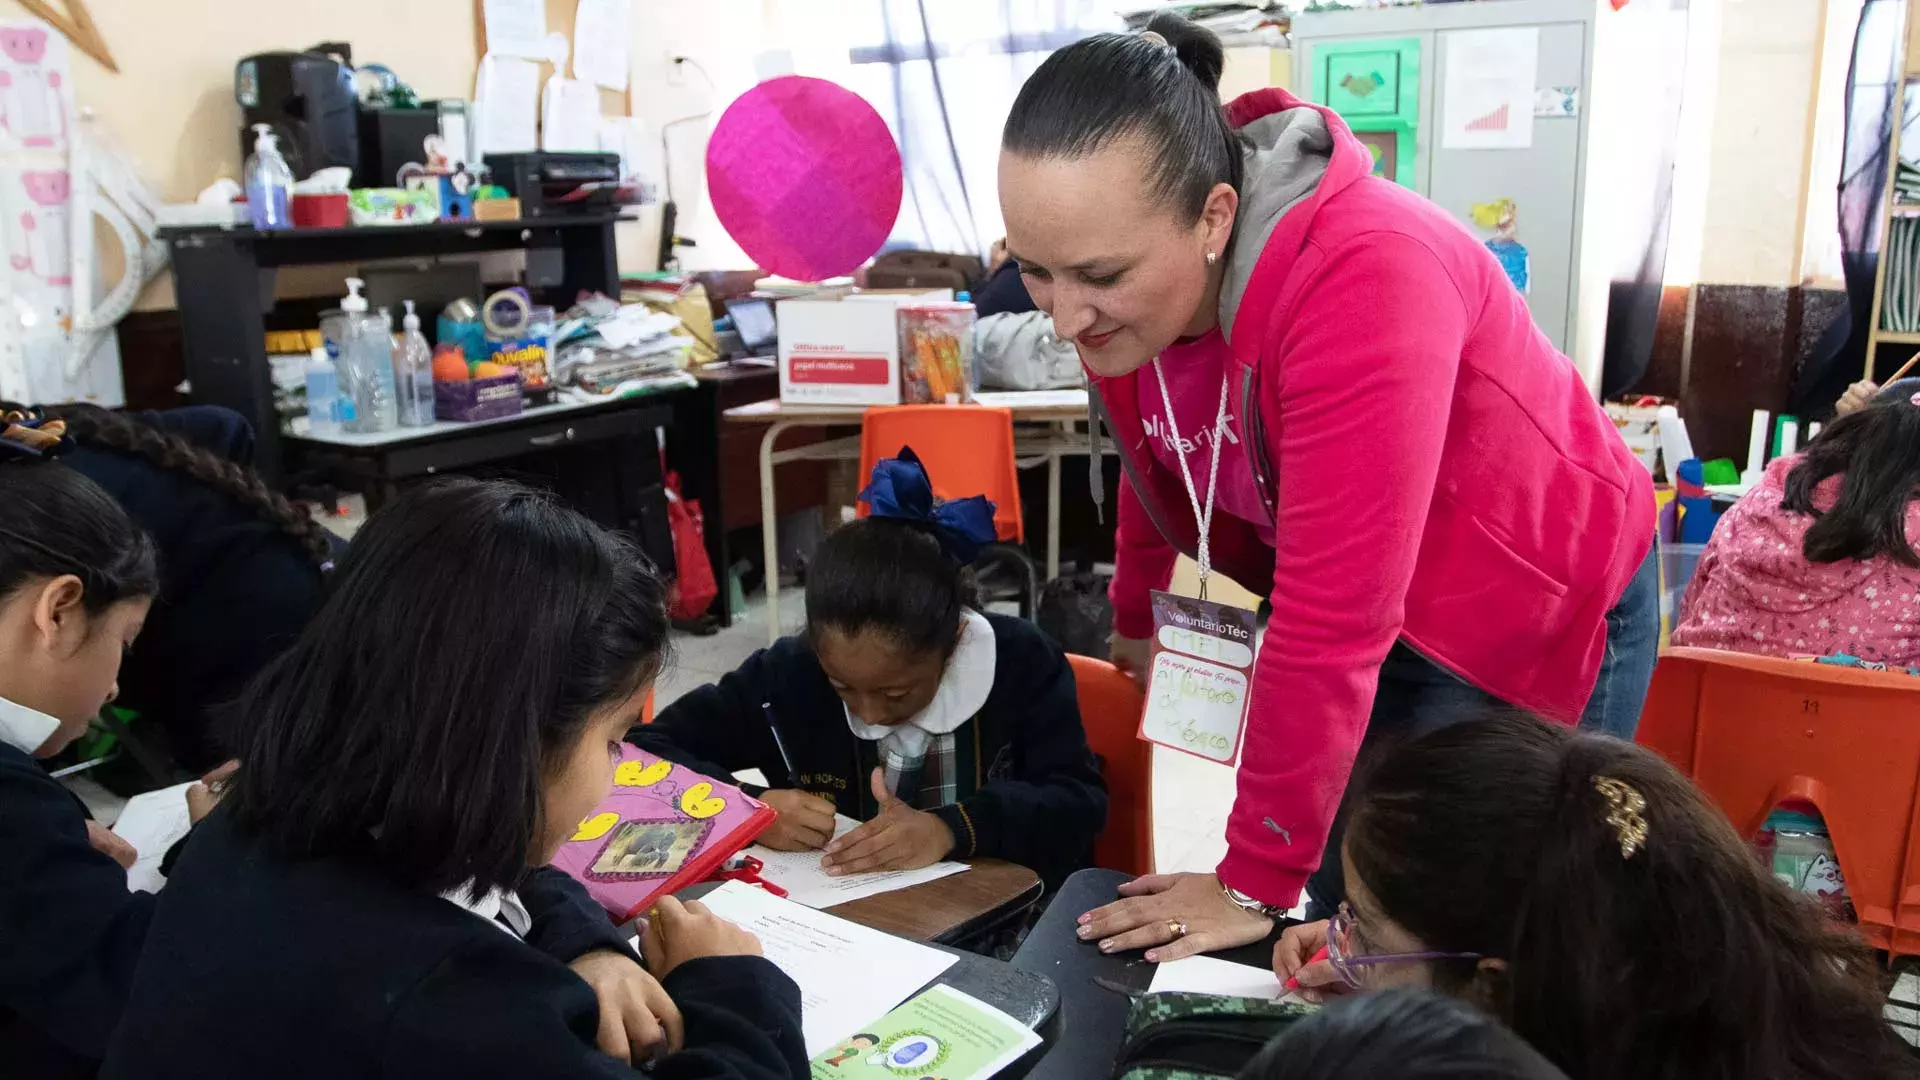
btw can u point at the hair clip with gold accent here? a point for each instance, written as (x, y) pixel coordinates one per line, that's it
(1626, 812)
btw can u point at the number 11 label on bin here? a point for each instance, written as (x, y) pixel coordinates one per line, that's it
(1199, 677)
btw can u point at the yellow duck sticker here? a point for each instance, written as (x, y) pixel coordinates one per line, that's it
(699, 802)
(636, 774)
(596, 826)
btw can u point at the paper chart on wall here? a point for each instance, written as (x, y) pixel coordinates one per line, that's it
(1487, 96)
(506, 105)
(516, 27)
(569, 116)
(601, 31)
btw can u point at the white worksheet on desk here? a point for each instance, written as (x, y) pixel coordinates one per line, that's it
(849, 975)
(1208, 975)
(153, 822)
(799, 873)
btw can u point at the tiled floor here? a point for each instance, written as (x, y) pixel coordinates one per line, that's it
(1191, 797)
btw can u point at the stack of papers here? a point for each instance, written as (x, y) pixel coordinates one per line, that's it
(799, 873)
(848, 974)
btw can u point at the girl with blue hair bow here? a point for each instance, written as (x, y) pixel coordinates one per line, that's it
(945, 731)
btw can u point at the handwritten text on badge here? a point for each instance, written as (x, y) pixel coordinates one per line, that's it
(1198, 680)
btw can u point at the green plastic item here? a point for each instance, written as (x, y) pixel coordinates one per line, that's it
(1719, 471)
(1375, 87)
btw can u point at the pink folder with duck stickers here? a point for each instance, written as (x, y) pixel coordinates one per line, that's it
(662, 828)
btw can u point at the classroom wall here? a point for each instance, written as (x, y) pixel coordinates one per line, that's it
(1756, 159)
(171, 105)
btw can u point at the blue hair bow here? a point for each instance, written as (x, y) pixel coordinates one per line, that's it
(901, 490)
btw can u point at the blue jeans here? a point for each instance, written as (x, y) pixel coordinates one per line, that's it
(1416, 697)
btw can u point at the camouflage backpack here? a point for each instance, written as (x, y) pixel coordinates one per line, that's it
(1186, 1036)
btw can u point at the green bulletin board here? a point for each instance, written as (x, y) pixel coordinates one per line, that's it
(1375, 87)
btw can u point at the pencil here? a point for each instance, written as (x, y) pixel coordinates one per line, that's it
(1904, 368)
(793, 775)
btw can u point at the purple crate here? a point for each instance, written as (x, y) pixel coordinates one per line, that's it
(477, 399)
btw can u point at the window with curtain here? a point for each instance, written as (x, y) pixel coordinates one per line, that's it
(944, 75)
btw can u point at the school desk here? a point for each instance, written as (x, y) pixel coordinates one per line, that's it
(1030, 997)
(1096, 990)
(954, 909)
(1057, 410)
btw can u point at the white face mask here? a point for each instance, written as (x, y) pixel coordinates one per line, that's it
(24, 729)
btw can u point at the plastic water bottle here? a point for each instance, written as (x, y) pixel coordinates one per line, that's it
(323, 393)
(269, 182)
(413, 370)
(366, 365)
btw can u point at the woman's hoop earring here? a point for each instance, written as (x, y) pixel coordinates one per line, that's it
(1212, 257)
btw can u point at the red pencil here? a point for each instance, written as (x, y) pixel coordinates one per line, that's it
(1293, 980)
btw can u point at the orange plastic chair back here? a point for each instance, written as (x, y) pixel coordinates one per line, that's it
(967, 449)
(1110, 706)
(1755, 731)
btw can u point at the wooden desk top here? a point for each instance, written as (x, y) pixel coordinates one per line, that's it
(1042, 405)
(951, 907)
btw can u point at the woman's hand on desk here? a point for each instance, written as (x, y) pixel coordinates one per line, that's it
(638, 1021)
(677, 933)
(1174, 915)
(805, 823)
(898, 838)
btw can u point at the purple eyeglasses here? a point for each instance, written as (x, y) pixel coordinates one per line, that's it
(1351, 968)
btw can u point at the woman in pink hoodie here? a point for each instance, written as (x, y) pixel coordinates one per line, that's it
(1443, 515)
(1824, 556)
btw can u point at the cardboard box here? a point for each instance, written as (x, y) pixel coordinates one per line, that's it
(842, 352)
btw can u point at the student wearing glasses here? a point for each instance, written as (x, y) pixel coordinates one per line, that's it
(1583, 892)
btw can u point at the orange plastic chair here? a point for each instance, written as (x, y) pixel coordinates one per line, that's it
(1756, 731)
(1110, 706)
(967, 449)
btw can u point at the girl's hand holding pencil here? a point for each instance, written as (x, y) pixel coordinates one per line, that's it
(805, 822)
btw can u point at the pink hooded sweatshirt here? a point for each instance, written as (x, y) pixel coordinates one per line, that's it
(1430, 468)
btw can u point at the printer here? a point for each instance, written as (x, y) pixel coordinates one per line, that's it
(550, 184)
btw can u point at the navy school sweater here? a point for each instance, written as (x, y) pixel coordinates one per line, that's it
(260, 965)
(1031, 787)
(70, 931)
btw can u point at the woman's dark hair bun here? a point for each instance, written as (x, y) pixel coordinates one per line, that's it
(1196, 46)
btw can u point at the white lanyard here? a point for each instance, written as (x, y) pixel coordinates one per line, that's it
(1202, 515)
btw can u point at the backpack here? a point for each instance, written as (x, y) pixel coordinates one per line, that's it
(1185, 1036)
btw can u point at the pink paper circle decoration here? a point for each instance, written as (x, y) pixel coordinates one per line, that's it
(805, 177)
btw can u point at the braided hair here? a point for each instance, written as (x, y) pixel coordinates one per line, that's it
(95, 426)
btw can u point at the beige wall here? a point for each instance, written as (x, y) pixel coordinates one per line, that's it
(171, 105)
(1756, 156)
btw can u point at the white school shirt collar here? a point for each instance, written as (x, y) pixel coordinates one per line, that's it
(964, 688)
(24, 729)
(501, 907)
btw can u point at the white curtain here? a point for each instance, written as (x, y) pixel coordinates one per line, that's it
(944, 73)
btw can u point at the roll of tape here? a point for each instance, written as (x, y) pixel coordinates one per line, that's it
(496, 319)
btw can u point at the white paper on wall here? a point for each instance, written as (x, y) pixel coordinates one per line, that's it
(1487, 96)
(601, 42)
